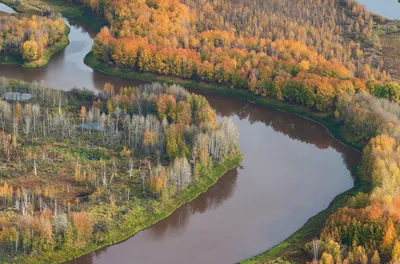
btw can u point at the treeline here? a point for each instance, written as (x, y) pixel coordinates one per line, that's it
(257, 46)
(141, 147)
(230, 24)
(366, 230)
(28, 37)
(367, 116)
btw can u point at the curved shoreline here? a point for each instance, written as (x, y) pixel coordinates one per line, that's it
(44, 60)
(50, 51)
(47, 55)
(163, 211)
(312, 227)
(325, 120)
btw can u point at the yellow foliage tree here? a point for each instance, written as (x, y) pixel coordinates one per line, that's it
(30, 50)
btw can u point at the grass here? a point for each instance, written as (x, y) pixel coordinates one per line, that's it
(325, 119)
(291, 248)
(76, 13)
(133, 223)
(391, 54)
(11, 60)
(48, 52)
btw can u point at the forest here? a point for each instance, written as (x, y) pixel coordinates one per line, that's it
(31, 40)
(272, 50)
(134, 149)
(80, 168)
(365, 230)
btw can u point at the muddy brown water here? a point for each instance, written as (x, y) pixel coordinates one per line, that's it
(292, 169)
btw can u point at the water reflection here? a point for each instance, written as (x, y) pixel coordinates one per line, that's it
(291, 170)
(285, 178)
(290, 125)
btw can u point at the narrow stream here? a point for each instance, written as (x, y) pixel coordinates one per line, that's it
(292, 169)
(6, 9)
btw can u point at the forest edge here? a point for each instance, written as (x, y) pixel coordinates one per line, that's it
(290, 248)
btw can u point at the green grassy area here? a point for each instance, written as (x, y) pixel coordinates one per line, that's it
(22, 6)
(288, 249)
(325, 119)
(292, 246)
(49, 52)
(135, 222)
(45, 58)
(11, 60)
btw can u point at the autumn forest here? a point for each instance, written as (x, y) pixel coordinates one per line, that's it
(83, 169)
(30, 40)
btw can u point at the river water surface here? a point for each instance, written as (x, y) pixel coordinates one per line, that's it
(292, 169)
(6, 9)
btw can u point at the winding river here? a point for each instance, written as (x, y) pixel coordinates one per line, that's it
(292, 169)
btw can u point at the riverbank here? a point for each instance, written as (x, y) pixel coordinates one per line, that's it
(134, 223)
(290, 247)
(76, 13)
(49, 52)
(326, 120)
(45, 58)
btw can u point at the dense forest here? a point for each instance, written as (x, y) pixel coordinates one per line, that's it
(271, 48)
(365, 230)
(29, 37)
(79, 166)
(126, 152)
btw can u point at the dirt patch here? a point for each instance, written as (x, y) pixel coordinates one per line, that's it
(61, 187)
(391, 54)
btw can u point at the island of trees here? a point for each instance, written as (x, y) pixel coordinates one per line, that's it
(329, 63)
(266, 51)
(31, 40)
(80, 170)
(320, 54)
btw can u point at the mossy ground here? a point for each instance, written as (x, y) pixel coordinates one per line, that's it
(291, 248)
(137, 220)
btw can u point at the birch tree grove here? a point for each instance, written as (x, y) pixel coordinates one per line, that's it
(69, 170)
(18, 39)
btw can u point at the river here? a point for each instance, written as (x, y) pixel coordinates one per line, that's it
(292, 169)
